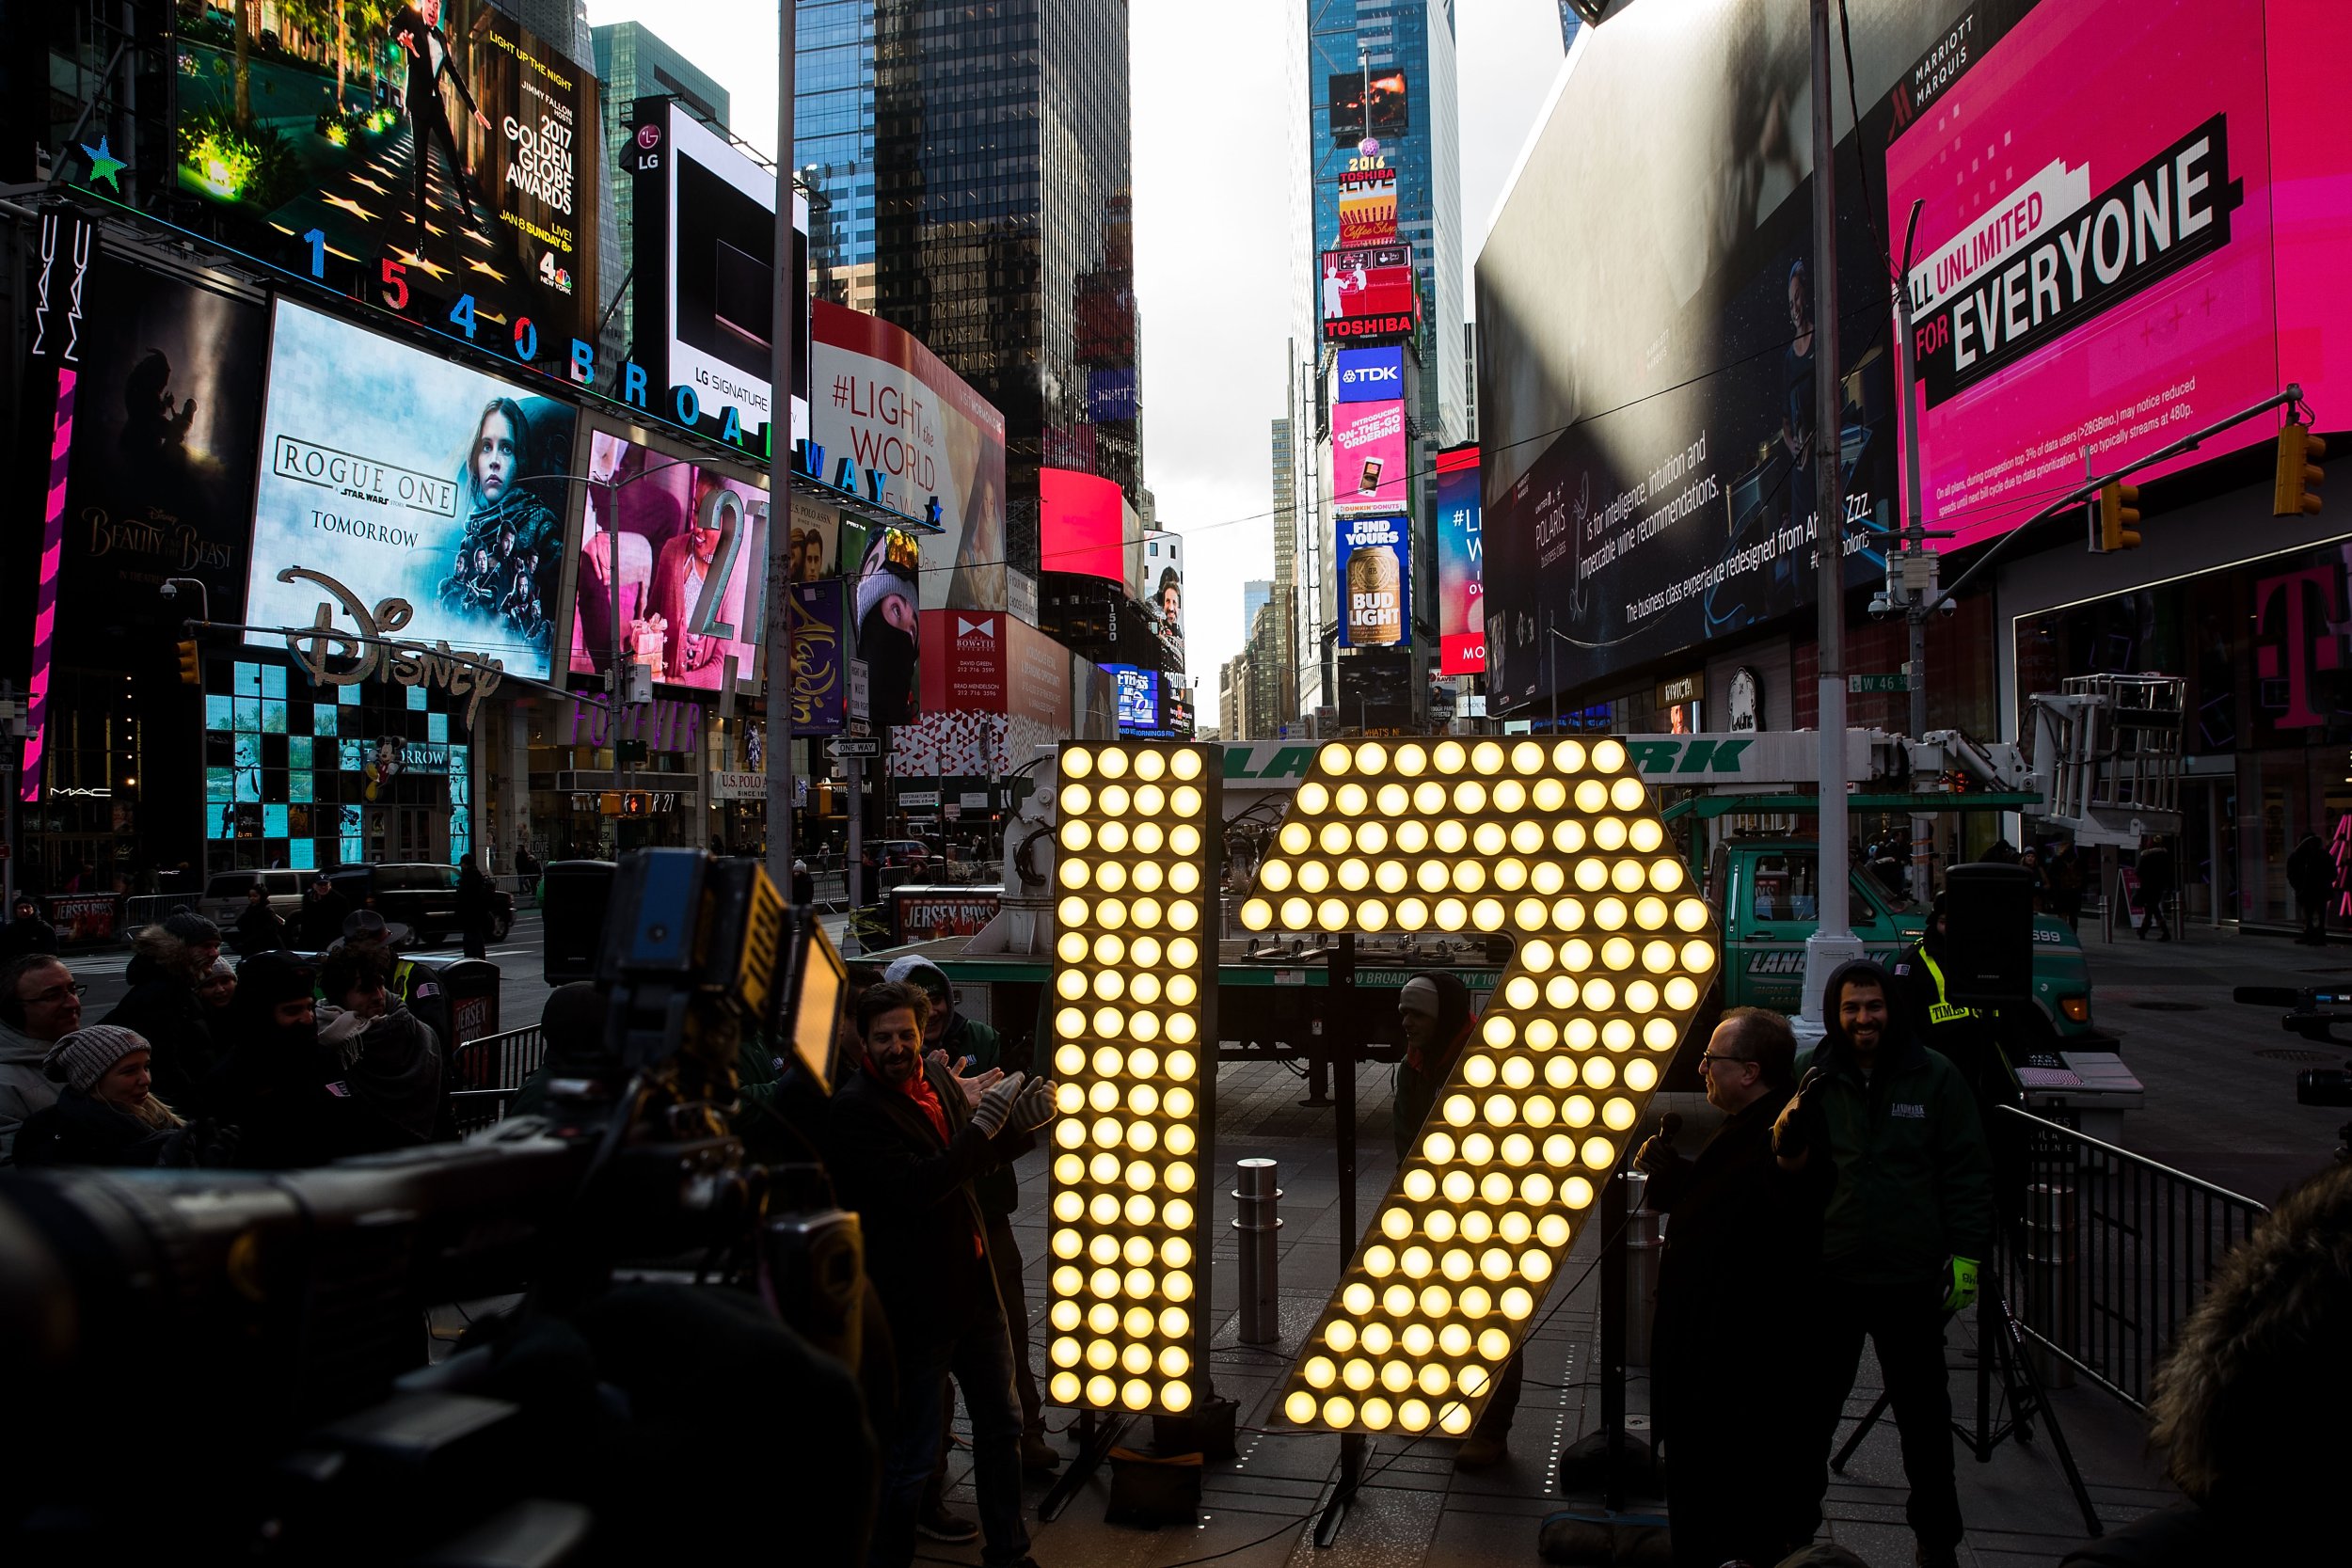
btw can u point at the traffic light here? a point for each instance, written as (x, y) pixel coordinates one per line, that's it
(2299, 452)
(2119, 516)
(191, 668)
(634, 804)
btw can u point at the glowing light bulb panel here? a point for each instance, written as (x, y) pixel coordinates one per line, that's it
(1559, 847)
(1134, 966)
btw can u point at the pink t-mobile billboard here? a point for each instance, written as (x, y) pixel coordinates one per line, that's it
(2132, 208)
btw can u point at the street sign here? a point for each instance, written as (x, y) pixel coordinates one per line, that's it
(856, 746)
(1895, 682)
(861, 706)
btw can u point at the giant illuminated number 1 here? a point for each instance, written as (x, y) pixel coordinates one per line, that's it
(1557, 846)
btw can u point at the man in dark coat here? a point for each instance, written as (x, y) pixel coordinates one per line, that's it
(1906, 1224)
(27, 932)
(903, 1150)
(2154, 869)
(323, 913)
(166, 963)
(2312, 873)
(1734, 1281)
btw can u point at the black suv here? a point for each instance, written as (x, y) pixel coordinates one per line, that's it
(420, 895)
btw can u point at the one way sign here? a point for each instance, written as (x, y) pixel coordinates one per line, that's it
(853, 746)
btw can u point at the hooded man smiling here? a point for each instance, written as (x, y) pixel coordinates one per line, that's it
(1909, 1221)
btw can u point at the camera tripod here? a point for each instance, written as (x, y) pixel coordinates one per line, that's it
(1999, 1337)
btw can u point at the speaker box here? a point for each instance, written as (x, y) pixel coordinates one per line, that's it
(572, 913)
(1988, 935)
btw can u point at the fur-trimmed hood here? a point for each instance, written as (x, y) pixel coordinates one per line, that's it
(156, 954)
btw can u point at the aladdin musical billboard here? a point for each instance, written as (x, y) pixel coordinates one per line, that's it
(387, 473)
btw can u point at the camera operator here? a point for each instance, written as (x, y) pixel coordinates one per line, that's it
(905, 1151)
(975, 1053)
(1909, 1216)
(39, 1005)
(1970, 1040)
(2267, 1341)
(1734, 1283)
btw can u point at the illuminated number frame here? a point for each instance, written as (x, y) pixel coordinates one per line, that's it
(1135, 1055)
(1558, 847)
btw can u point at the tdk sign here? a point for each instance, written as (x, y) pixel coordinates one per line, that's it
(1372, 374)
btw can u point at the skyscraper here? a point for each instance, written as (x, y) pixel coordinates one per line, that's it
(1382, 71)
(976, 156)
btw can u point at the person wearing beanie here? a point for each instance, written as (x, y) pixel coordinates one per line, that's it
(323, 911)
(383, 1065)
(572, 1022)
(803, 884)
(214, 990)
(166, 963)
(105, 1114)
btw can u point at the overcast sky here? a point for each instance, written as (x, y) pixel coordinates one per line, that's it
(1211, 229)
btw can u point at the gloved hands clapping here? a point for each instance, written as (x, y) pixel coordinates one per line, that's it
(1033, 1107)
(996, 1106)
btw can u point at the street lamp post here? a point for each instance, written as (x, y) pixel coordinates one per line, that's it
(777, 648)
(1832, 942)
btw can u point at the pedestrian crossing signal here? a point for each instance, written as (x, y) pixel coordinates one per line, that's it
(2119, 516)
(2299, 451)
(191, 666)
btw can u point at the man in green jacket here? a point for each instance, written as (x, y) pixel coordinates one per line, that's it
(1908, 1223)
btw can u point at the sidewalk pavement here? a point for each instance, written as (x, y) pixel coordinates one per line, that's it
(1416, 1509)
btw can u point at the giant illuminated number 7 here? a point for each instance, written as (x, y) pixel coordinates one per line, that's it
(1557, 846)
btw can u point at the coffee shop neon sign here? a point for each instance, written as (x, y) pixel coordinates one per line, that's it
(371, 652)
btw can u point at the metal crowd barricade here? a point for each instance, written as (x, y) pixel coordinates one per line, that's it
(2115, 1251)
(485, 1073)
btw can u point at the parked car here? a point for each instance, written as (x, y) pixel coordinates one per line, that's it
(421, 896)
(223, 899)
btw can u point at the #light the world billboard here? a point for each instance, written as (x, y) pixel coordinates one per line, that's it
(1461, 558)
(396, 474)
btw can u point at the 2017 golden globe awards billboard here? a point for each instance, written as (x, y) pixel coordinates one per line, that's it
(408, 477)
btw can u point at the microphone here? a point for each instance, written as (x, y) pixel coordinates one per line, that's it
(1670, 1127)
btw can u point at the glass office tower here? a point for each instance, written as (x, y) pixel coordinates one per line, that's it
(973, 163)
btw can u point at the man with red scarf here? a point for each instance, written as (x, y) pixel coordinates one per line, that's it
(903, 1148)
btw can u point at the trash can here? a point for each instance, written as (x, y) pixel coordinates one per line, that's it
(470, 986)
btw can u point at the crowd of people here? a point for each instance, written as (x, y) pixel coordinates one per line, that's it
(1851, 1196)
(281, 1061)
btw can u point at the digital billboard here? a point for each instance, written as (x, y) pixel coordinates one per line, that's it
(1369, 295)
(1367, 104)
(1138, 696)
(2139, 261)
(1016, 685)
(890, 408)
(1367, 207)
(1082, 525)
(1461, 584)
(1163, 587)
(1646, 414)
(441, 162)
(1371, 374)
(401, 475)
(1375, 576)
(160, 477)
(692, 551)
(705, 251)
(817, 688)
(884, 625)
(1371, 467)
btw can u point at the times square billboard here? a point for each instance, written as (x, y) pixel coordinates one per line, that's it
(2126, 232)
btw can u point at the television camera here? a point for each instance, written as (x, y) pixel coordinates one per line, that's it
(238, 1362)
(2318, 1014)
